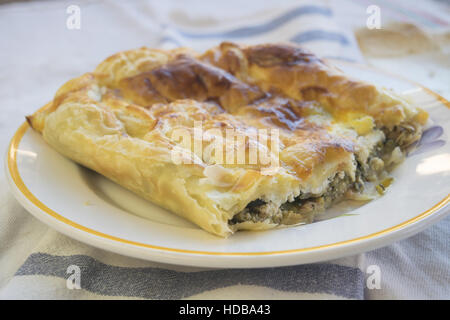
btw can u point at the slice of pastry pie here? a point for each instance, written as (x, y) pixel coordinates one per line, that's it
(239, 137)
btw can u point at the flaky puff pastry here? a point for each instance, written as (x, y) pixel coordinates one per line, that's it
(122, 121)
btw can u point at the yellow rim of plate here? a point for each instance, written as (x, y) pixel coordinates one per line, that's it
(17, 179)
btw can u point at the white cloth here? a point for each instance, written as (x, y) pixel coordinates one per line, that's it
(39, 53)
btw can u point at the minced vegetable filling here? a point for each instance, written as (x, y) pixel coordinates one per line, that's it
(307, 205)
(302, 209)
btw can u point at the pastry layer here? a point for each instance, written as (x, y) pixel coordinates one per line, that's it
(131, 115)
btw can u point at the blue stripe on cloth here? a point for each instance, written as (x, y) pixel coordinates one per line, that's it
(157, 283)
(166, 39)
(264, 27)
(314, 35)
(339, 58)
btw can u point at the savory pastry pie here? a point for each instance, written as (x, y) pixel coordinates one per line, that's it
(328, 137)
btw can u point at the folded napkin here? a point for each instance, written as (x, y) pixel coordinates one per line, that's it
(44, 50)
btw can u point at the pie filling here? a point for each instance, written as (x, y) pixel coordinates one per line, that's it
(303, 209)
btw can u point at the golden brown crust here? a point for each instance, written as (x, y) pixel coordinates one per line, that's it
(300, 75)
(123, 120)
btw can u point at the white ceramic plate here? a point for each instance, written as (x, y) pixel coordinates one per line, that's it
(90, 208)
